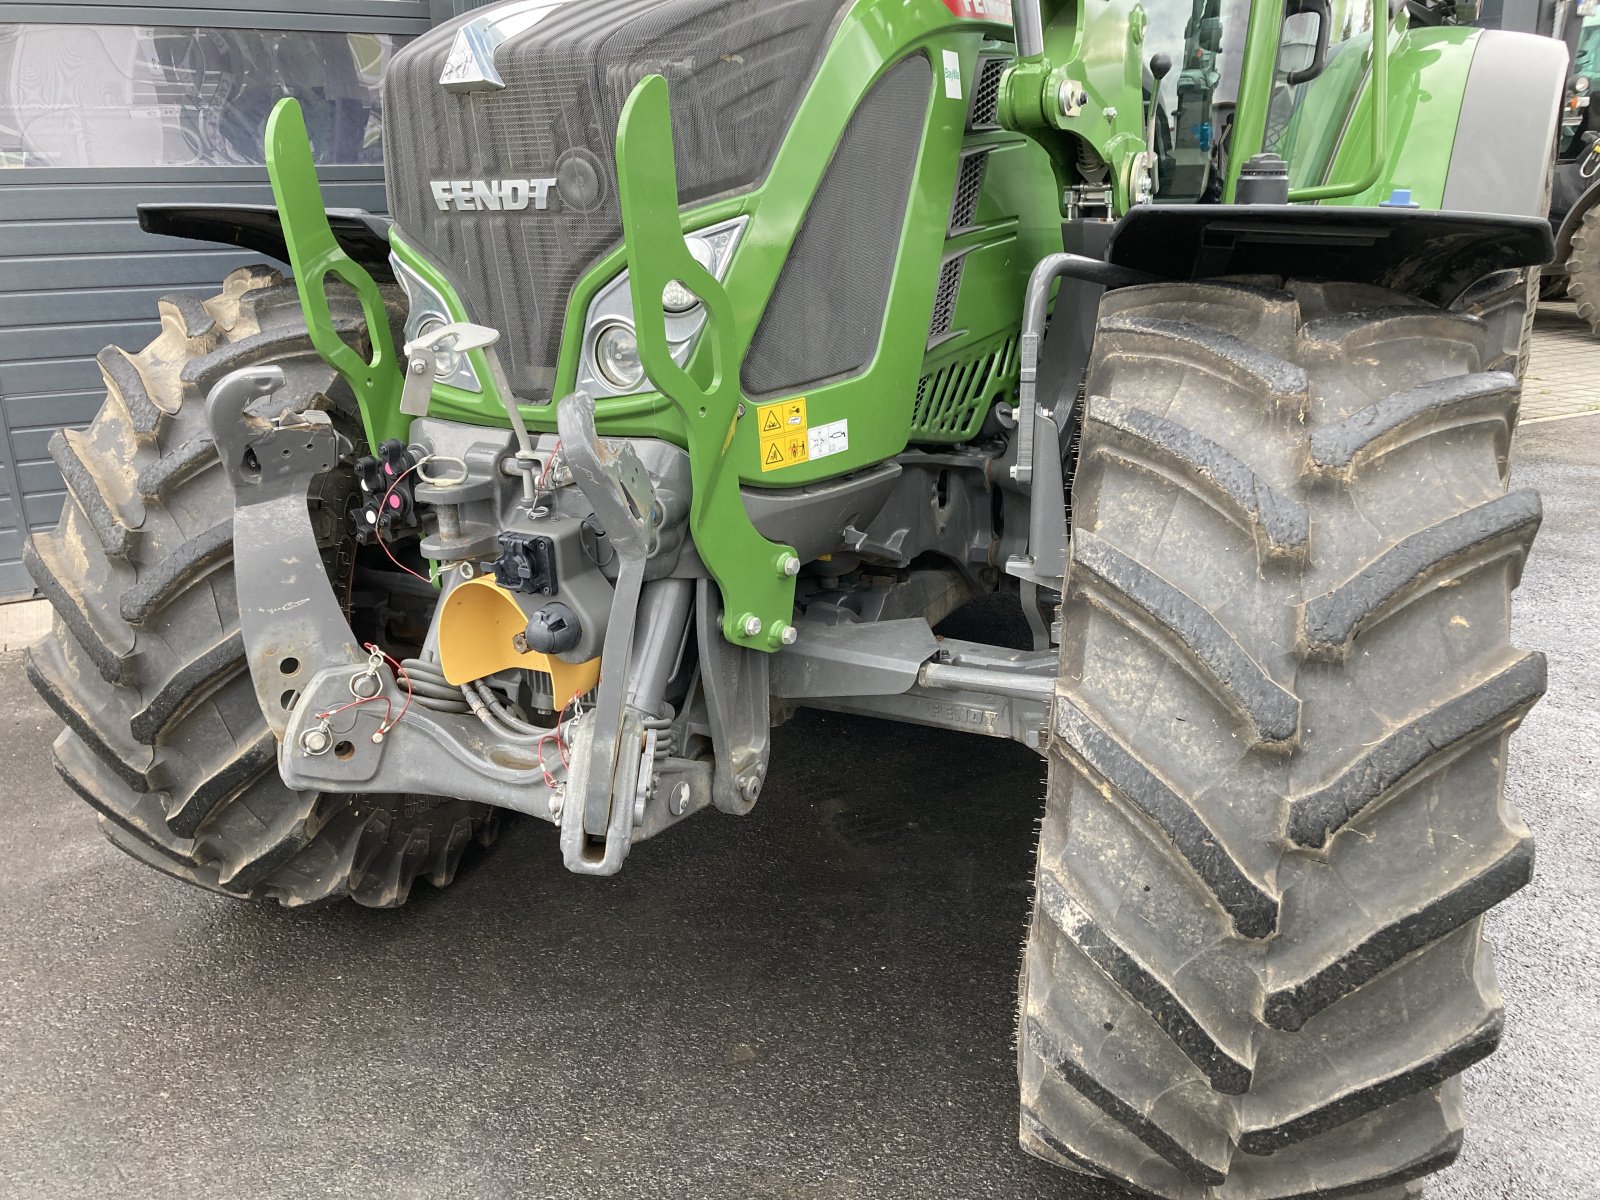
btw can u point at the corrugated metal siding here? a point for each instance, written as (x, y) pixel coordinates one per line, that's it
(78, 274)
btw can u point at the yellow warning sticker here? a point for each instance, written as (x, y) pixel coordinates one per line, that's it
(783, 434)
(784, 450)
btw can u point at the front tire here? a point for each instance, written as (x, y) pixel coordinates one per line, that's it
(145, 664)
(1275, 811)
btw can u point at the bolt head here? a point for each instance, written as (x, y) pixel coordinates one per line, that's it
(791, 635)
(789, 565)
(316, 741)
(752, 626)
(678, 800)
(750, 787)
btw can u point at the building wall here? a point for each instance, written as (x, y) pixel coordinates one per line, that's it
(98, 115)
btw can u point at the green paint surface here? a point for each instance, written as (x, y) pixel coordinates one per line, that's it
(315, 254)
(747, 567)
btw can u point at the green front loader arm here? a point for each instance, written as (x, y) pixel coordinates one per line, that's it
(315, 253)
(756, 576)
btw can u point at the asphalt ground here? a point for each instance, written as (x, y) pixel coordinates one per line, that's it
(814, 1002)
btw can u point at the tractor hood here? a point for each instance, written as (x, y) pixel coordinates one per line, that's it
(500, 131)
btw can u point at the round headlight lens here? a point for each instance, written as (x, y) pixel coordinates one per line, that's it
(616, 353)
(447, 360)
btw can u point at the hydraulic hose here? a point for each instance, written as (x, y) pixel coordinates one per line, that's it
(431, 689)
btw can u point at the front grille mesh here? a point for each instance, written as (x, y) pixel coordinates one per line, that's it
(944, 301)
(986, 95)
(826, 314)
(969, 190)
(736, 69)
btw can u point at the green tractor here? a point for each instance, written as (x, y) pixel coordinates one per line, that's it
(1575, 191)
(718, 350)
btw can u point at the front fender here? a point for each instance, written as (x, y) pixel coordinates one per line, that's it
(1505, 139)
(1434, 256)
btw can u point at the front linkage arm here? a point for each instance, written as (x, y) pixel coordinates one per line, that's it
(304, 659)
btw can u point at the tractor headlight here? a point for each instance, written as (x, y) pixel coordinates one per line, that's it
(677, 298)
(609, 362)
(428, 312)
(447, 360)
(616, 353)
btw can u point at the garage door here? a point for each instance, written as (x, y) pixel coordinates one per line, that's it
(107, 106)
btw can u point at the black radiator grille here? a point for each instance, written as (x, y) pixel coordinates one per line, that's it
(986, 94)
(969, 190)
(826, 314)
(736, 68)
(944, 301)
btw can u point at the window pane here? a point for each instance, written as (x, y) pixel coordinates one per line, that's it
(141, 96)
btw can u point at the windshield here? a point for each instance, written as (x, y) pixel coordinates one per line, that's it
(1204, 39)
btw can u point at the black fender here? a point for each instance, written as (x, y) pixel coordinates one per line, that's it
(1435, 256)
(258, 227)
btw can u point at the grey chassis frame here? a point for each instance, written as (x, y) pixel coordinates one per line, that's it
(306, 662)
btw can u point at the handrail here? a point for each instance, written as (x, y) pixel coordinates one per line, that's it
(1255, 99)
(1380, 128)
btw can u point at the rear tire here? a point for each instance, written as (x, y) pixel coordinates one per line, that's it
(1275, 811)
(1583, 268)
(145, 664)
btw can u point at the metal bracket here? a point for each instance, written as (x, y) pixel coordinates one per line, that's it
(605, 769)
(315, 254)
(738, 704)
(303, 656)
(289, 617)
(422, 363)
(752, 572)
(970, 688)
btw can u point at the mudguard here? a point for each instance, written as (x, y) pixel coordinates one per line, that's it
(1432, 255)
(259, 227)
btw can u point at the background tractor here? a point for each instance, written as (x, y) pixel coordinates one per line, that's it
(719, 350)
(1575, 188)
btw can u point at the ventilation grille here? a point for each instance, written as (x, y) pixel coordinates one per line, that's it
(986, 96)
(944, 303)
(953, 400)
(738, 70)
(969, 189)
(826, 314)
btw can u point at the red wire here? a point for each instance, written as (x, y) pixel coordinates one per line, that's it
(561, 747)
(334, 712)
(551, 461)
(403, 676)
(377, 530)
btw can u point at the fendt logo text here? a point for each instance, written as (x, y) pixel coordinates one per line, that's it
(492, 195)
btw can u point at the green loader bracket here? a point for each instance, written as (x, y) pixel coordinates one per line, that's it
(315, 253)
(756, 576)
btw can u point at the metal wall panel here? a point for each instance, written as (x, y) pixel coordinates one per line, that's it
(77, 273)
